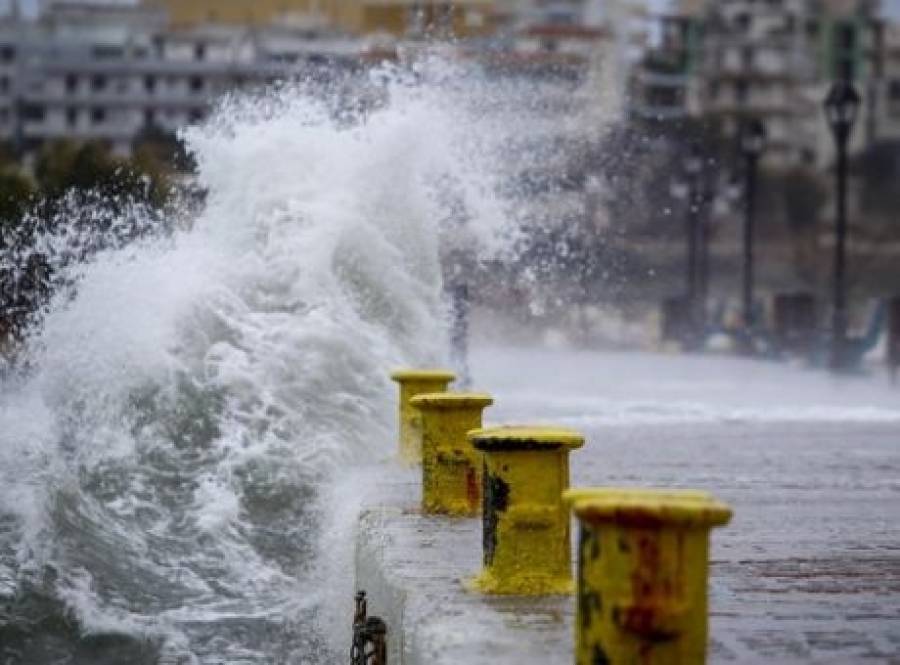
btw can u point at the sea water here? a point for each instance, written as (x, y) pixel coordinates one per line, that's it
(183, 433)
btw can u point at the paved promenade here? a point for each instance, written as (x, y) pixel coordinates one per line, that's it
(809, 569)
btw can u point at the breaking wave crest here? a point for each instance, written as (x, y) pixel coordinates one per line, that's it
(183, 404)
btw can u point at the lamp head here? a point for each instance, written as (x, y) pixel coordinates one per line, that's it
(842, 107)
(753, 137)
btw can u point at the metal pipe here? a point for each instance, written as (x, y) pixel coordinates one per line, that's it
(839, 312)
(748, 254)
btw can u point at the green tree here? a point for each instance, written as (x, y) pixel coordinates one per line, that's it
(65, 166)
(16, 197)
(162, 150)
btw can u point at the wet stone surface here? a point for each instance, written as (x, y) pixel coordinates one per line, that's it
(807, 572)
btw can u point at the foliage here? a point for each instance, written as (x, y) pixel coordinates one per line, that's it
(83, 199)
(155, 147)
(65, 166)
(16, 195)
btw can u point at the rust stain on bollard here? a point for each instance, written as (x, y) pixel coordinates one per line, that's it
(526, 548)
(450, 465)
(643, 563)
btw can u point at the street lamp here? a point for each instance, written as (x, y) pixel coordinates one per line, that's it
(841, 108)
(752, 143)
(693, 166)
(689, 190)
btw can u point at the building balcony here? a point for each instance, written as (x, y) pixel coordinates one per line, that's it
(43, 131)
(749, 109)
(652, 112)
(660, 80)
(124, 100)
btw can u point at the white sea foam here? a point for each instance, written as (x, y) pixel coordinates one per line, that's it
(167, 452)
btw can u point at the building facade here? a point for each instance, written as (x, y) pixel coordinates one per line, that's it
(463, 18)
(734, 59)
(84, 72)
(95, 71)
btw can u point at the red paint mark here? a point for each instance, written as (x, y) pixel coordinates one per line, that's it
(472, 490)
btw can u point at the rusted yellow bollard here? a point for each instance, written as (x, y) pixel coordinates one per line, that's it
(643, 563)
(415, 382)
(451, 467)
(526, 524)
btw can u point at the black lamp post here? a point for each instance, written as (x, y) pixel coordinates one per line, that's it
(841, 108)
(753, 141)
(693, 166)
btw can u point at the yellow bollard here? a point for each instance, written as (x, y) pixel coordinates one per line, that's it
(451, 467)
(526, 525)
(643, 561)
(415, 382)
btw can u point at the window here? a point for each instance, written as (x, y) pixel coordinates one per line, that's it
(196, 115)
(108, 52)
(812, 29)
(790, 23)
(149, 117)
(72, 117)
(98, 83)
(34, 113)
(4, 84)
(7, 53)
(894, 90)
(200, 52)
(196, 84)
(741, 92)
(71, 83)
(747, 57)
(98, 116)
(847, 37)
(150, 84)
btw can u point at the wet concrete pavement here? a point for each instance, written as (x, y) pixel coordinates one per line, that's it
(807, 572)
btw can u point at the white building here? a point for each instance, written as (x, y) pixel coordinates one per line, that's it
(108, 73)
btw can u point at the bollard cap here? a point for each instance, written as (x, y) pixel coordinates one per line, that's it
(435, 374)
(435, 401)
(524, 438)
(640, 507)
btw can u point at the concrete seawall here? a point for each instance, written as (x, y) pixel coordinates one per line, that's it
(807, 572)
(412, 568)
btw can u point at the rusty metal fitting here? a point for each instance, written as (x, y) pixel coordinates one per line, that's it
(526, 525)
(369, 646)
(414, 382)
(451, 467)
(643, 562)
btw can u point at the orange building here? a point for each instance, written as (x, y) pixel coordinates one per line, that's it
(397, 17)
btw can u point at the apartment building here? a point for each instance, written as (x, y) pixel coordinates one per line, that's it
(733, 59)
(884, 88)
(88, 72)
(100, 71)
